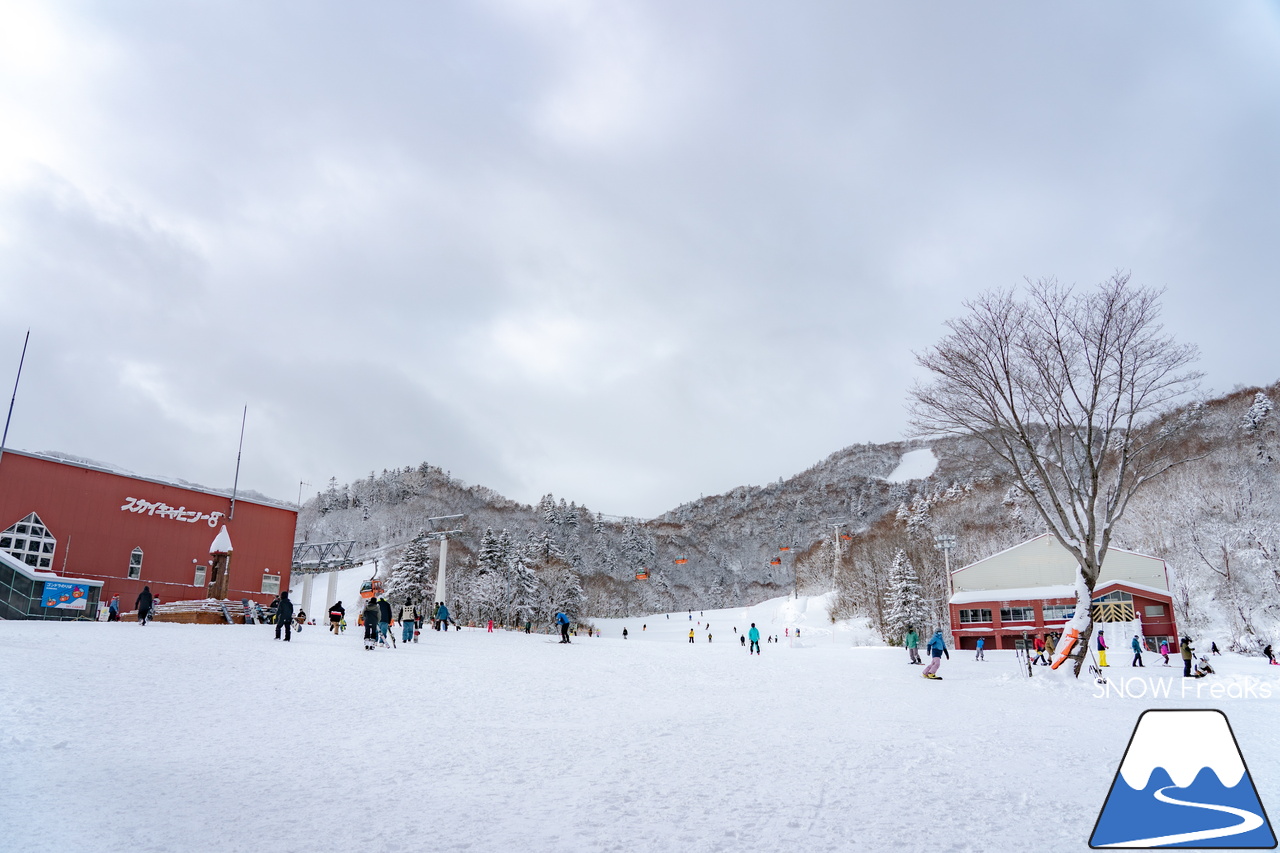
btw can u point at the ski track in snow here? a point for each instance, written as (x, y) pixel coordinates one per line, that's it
(213, 738)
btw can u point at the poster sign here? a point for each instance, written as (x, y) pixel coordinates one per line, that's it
(65, 596)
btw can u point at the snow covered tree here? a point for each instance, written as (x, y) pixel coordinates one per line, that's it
(1070, 392)
(412, 576)
(906, 606)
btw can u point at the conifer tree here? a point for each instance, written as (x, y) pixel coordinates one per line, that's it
(906, 603)
(412, 576)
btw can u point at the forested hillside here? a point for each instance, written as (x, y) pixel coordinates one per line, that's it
(1215, 519)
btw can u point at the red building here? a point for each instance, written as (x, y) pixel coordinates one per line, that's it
(1029, 590)
(83, 521)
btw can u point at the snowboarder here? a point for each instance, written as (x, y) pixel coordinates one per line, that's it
(1213, 649)
(408, 621)
(1271, 658)
(1136, 645)
(1187, 652)
(912, 642)
(370, 620)
(937, 648)
(754, 636)
(1203, 668)
(563, 621)
(284, 615)
(337, 615)
(143, 605)
(981, 642)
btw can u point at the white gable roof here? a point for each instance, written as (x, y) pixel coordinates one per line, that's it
(1043, 562)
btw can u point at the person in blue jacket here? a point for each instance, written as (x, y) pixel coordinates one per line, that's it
(754, 636)
(981, 642)
(937, 648)
(1137, 652)
(563, 621)
(442, 617)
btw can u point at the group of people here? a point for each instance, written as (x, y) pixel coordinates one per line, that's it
(937, 648)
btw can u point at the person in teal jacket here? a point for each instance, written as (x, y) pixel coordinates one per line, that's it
(912, 642)
(754, 636)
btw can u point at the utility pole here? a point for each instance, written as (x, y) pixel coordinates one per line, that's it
(5, 437)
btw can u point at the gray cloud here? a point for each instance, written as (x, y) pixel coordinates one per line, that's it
(627, 253)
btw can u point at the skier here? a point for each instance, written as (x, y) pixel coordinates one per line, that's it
(1164, 651)
(754, 636)
(113, 609)
(490, 626)
(912, 642)
(143, 605)
(743, 640)
(1187, 651)
(284, 615)
(442, 617)
(1271, 658)
(690, 635)
(370, 619)
(981, 642)
(937, 648)
(1102, 650)
(337, 615)
(408, 621)
(1136, 645)
(563, 621)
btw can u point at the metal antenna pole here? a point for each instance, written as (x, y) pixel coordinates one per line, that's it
(4, 438)
(235, 487)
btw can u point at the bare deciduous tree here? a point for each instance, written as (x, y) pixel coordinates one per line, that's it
(1072, 391)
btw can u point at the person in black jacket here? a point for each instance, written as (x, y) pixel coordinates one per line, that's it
(384, 620)
(370, 616)
(336, 614)
(143, 604)
(284, 616)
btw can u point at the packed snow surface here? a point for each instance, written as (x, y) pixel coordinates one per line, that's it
(117, 737)
(914, 465)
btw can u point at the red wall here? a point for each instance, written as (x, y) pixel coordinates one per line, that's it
(81, 506)
(1002, 636)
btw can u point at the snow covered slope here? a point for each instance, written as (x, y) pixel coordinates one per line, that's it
(115, 737)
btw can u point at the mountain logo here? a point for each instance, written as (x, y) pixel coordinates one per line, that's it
(1183, 783)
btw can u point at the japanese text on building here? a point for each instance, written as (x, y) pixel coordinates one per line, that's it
(177, 513)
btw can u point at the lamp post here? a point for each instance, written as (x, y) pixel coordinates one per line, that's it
(944, 542)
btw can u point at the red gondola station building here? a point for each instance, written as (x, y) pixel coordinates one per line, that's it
(1029, 590)
(77, 527)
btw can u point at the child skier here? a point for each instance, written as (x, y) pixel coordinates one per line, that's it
(937, 648)
(754, 636)
(1164, 651)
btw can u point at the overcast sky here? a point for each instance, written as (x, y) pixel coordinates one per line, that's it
(625, 252)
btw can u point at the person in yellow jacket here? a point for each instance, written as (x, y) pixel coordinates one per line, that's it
(691, 635)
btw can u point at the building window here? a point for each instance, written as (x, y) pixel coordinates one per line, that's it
(1017, 614)
(1113, 596)
(30, 541)
(135, 564)
(1059, 612)
(200, 575)
(975, 615)
(1154, 611)
(270, 584)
